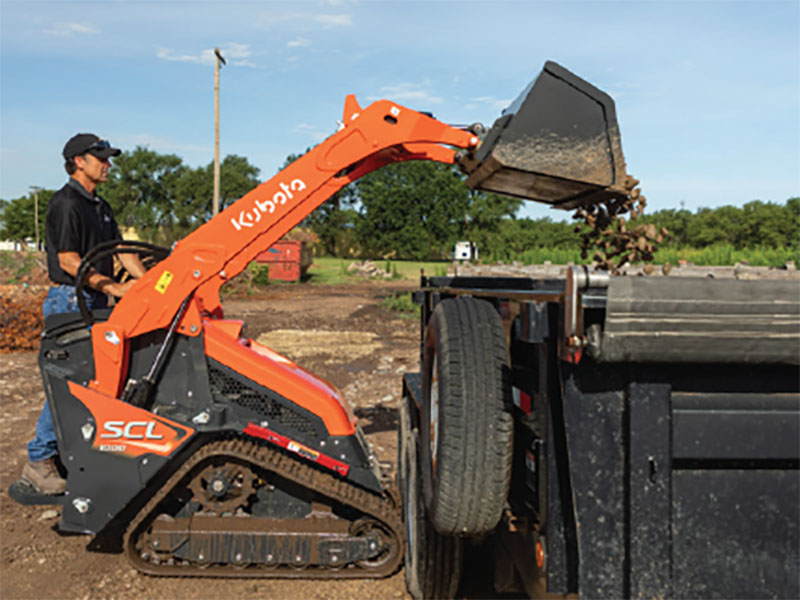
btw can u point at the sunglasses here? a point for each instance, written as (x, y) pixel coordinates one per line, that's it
(99, 145)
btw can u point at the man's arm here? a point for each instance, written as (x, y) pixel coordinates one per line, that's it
(132, 264)
(70, 261)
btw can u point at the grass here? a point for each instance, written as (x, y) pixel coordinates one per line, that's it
(538, 256)
(725, 254)
(717, 255)
(402, 303)
(330, 270)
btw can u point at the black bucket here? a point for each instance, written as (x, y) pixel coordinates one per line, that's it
(558, 143)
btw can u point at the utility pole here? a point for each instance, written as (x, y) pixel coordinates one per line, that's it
(217, 60)
(36, 189)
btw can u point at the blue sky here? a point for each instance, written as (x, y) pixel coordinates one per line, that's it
(707, 93)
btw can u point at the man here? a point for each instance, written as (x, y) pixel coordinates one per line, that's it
(77, 220)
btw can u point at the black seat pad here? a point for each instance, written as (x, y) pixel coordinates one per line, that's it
(59, 323)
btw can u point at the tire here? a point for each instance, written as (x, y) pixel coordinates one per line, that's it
(466, 425)
(432, 561)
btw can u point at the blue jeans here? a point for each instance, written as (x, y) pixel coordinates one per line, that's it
(60, 299)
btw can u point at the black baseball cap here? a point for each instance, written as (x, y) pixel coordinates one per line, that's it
(84, 143)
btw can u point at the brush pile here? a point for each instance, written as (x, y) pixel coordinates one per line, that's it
(23, 286)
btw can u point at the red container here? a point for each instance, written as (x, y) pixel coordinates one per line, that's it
(287, 250)
(287, 270)
(283, 250)
(288, 260)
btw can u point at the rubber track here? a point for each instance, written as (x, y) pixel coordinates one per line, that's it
(382, 508)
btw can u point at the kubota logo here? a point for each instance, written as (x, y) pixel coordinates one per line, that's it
(132, 430)
(248, 218)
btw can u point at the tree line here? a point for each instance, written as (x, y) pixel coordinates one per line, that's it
(411, 210)
(156, 194)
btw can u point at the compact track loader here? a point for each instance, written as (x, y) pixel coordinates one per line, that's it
(198, 451)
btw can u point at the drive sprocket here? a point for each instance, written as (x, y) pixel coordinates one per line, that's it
(223, 487)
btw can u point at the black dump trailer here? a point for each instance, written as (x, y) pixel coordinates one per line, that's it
(614, 437)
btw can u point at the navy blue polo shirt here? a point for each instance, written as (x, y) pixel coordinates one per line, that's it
(76, 222)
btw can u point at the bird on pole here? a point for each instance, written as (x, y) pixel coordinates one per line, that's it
(219, 59)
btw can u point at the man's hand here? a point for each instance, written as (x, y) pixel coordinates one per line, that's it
(116, 289)
(132, 264)
(70, 261)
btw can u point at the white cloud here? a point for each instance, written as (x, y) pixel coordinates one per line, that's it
(327, 20)
(167, 54)
(315, 133)
(298, 43)
(337, 3)
(235, 54)
(235, 50)
(499, 104)
(334, 20)
(408, 92)
(67, 29)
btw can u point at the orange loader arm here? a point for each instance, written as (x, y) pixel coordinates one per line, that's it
(203, 261)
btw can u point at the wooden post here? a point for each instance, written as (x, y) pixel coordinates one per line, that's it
(35, 189)
(217, 59)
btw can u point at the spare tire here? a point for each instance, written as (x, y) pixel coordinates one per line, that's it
(466, 426)
(432, 561)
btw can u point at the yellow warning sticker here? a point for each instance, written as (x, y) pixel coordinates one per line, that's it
(163, 282)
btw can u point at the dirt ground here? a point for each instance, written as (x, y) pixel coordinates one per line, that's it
(338, 332)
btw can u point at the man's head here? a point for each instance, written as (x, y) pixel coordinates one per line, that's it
(79, 148)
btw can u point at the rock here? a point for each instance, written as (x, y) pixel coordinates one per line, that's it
(388, 398)
(367, 268)
(48, 514)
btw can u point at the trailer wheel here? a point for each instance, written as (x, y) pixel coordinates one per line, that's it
(432, 560)
(466, 426)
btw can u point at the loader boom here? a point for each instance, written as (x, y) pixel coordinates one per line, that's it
(201, 263)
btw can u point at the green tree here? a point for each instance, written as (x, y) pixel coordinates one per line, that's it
(487, 216)
(17, 220)
(420, 209)
(333, 221)
(141, 189)
(723, 225)
(196, 188)
(163, 199)
(793, 217)
(676, 222)
(769, 224)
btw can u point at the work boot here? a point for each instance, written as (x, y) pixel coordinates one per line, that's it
(43, 476)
